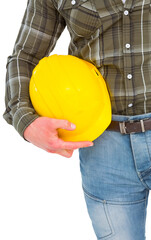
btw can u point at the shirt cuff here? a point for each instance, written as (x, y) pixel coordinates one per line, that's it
(22, 118)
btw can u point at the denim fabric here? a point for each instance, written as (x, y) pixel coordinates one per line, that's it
(116, 179)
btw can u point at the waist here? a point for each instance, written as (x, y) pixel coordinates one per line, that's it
(130, 124)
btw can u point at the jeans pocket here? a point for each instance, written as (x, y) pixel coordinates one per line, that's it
(98, 213)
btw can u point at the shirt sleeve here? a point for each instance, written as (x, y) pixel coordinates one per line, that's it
(40, 28)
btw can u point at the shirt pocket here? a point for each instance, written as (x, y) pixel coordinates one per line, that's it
(81, 17)
(139, 6)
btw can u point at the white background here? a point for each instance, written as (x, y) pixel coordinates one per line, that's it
(40, 193)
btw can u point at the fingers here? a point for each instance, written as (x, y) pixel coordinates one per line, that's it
(60, 144)
(64, 152)
(61, 123)
(72, 145)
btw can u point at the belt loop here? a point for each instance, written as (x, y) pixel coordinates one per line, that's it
(142, 125)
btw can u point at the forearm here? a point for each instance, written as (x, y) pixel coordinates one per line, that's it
(41, 27)
(19, 110)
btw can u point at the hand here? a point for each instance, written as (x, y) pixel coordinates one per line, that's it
(43, 133)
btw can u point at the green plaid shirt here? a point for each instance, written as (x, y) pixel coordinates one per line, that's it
(115, 37)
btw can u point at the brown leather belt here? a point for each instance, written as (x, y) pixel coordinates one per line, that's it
(131, 126)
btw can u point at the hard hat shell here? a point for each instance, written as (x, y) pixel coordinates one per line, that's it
(67, 87)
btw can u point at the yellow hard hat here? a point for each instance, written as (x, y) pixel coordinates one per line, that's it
(67, 87)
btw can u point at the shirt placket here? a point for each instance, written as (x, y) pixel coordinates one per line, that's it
(127, 60)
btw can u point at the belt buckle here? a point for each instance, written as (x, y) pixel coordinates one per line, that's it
(122, 125)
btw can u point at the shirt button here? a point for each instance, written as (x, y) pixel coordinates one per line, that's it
(129, 76)
(126, 12)
(127, 45)
(130, 104)
(73, 2)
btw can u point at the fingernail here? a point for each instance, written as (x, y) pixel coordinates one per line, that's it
(91, 144)
(73, 125)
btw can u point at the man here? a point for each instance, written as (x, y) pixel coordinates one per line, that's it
(115, 37)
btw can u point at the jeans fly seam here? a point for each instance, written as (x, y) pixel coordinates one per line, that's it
(138, 173)
(147, 170)
(146, 173)
(147, 147)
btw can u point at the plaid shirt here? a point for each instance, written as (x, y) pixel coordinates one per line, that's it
(114, 36)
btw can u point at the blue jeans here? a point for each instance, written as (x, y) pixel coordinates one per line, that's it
(116, 179)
